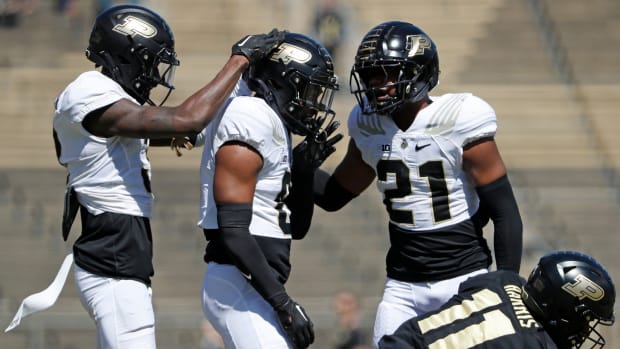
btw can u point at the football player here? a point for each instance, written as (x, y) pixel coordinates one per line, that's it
(102, 123)
(565, 297)
(438, 167)
(254, 201)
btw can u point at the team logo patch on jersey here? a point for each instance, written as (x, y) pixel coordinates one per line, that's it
(385, 148)
(133, 26)
(420, 146)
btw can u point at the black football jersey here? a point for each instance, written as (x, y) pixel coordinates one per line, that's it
(486, 313)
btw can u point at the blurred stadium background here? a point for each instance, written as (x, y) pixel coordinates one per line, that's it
(550, 68)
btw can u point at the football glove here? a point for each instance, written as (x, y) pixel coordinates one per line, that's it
(296, 324)
(258, 46)
(310, 153)
(177, 143)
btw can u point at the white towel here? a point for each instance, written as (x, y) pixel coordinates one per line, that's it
(42, 300)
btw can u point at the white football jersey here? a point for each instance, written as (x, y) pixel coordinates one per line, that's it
(250, 120)
(241, 89)
(420, 170)
(109, 174)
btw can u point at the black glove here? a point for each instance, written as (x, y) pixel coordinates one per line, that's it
(296, 324)
(258, 46)
(310, 153)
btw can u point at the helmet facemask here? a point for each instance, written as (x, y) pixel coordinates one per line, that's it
(311, 103)
(589, 337)
(153, 70)
(160, 72)
(580, 333)
(406, 77)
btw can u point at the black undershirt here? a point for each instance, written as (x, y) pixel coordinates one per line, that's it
(115, 245)
(437, 254)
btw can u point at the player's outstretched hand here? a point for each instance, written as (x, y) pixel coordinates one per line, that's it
(181, 143)
(310, 153)
(257, 46)
(296, 324)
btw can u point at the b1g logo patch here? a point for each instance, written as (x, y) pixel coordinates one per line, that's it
(584, 288)
(416, 44)
(287, 53)
(133, 26)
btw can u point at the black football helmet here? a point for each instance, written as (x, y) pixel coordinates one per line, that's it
(135, 47)
(297, 80)
(403, 50)
(570, 293)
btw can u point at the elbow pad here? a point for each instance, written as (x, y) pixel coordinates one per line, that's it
(500, 204)
(328, 193)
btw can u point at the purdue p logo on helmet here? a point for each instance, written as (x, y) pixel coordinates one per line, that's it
(133, 26)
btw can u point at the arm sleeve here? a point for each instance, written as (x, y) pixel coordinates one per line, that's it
(498, 200)
(328, 193)
(234, 225)
(300, 202)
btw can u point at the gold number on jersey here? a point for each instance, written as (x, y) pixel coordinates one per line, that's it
(282, 214)
(494, 324)
(432, 170)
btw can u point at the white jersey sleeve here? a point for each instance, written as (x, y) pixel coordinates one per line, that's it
(420, 170)
(476, 120)
(241, 89)
(90, 91)
(250, 120)
(109, 174)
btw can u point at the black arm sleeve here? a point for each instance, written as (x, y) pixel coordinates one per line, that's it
(301, 203)
(234, 225)
(328, 193)
(499, 202)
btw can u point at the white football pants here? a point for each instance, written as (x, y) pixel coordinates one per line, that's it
(403, 300)
(122, 310)
(238, 313)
